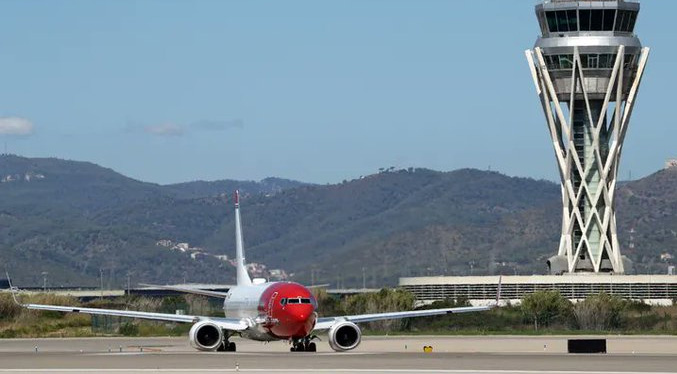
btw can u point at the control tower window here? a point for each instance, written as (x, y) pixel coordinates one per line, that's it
(622, 17)
(591, 62)
(562, 21)
(573, 20)
(626, 21)
(609, 17)
(585, 19)
(596, 20)
(552, 21)
(631, 23)
(566, 61)
(607, 61)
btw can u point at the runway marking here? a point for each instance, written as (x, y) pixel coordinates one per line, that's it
(272, 370)
(261, 354)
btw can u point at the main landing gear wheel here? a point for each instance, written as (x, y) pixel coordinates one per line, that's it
(303, 345)
(226, 347)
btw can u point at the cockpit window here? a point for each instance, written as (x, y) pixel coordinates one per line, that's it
(298, 300)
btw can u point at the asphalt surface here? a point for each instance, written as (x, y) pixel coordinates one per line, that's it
(495, 355)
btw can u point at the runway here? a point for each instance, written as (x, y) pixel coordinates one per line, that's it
(490, 355)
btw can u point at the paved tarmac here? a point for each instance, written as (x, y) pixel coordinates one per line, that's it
(490, 355)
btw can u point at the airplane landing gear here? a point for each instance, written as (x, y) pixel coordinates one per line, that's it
(303, 345)
(226, 346)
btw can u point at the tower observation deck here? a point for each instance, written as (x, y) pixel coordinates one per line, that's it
(587, 66)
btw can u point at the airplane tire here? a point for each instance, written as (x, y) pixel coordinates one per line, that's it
(311, 347)
(231, 347)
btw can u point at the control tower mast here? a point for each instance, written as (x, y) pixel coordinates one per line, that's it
(587, 66)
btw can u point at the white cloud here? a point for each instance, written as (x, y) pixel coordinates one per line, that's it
(217, 125)
(173, 129)
(15, 126)
(164, 129)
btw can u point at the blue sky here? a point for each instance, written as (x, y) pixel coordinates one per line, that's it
(319, 91)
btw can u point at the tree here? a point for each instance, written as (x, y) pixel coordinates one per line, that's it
(386, 300)
(600, 312)
(546, 307)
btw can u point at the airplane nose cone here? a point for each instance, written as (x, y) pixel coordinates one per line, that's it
(301, 315)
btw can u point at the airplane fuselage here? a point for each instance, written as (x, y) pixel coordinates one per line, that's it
(276, 310)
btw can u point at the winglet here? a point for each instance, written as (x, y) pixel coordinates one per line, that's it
(498, 290)
(12, 289)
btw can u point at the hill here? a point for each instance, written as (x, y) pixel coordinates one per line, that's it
(68, 219)
(198, 189)
(73, 219)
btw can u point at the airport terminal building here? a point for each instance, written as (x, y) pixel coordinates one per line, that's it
(479, 290)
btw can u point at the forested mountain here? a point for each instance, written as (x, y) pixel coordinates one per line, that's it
(73, 219)
(197, 189)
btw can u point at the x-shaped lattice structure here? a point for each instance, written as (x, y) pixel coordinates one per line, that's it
(588, 172)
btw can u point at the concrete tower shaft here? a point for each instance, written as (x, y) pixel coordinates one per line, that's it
(587, 66)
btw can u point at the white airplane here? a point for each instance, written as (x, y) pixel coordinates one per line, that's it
(263, 311)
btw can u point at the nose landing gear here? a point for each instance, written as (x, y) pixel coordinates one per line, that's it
(304, 345)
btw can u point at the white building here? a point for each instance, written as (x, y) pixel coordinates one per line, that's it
(671, 163)
(651, 289)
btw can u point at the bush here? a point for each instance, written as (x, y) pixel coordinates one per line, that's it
(600, 312)
(544, 308)
(8, 308)
(128, 329)
(386, 300)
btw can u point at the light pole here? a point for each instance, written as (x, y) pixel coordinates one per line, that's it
(44, 281)
(101, 280)
(129, 274)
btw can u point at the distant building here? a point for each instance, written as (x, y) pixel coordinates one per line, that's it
(482, 290)
(164, 243)
(278, 274)
(671, 163)
(196, 255)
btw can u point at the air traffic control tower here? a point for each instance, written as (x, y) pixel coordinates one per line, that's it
(587, 66)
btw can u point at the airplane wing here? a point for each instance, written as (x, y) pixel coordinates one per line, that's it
(196, 291)
(327, 322)
(232, 324)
